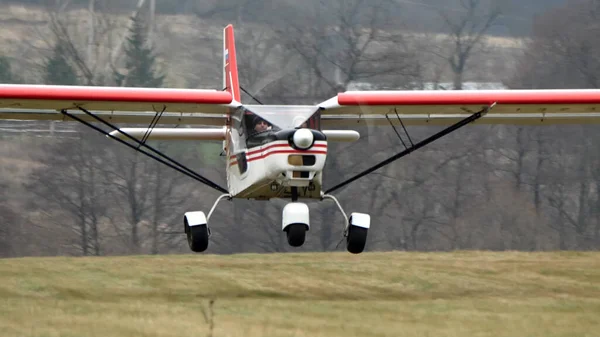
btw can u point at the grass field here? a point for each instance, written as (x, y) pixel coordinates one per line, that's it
(326, 294)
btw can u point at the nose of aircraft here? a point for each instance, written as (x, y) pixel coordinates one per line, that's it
(303, 139)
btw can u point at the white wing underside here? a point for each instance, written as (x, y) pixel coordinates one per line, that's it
(117, 117)
(448, 119)
(327, 120)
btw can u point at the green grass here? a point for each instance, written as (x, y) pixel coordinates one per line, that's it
(326, 294)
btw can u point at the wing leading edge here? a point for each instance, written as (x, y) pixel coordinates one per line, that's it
(116, 104)
(432, 107)
(210, 107)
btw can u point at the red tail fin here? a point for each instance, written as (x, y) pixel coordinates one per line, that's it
(230, 73)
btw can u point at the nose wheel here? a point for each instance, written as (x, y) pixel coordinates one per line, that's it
(296, 234)
(295, 223)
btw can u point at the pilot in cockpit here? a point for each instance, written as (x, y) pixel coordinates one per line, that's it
(261, 133)
(261, 125)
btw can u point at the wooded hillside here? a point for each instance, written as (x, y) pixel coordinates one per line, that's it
(484, 187)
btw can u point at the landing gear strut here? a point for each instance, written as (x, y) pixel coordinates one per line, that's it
(355, 229)
(196, 227)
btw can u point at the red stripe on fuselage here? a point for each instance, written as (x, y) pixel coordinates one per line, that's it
(250, 153)
(281, 152)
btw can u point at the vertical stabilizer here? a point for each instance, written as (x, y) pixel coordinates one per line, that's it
(230, 72)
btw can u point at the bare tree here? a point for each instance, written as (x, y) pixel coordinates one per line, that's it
(466, 34)
(234, 10)
(8, 219)
(67, 36)
(352, 41)
(70, 181)
(560, 54)
(131, 195)
(172, 195)
(91, 38)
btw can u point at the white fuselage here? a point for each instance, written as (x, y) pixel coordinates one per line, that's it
(273, 168)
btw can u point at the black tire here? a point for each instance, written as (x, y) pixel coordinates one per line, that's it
(296, 234)
(197, 237)
(357, 239)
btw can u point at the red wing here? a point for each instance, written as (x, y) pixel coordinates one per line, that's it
(446, 107)
(112, 98)
(117, 104)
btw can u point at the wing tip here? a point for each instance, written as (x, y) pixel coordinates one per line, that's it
(331, 103)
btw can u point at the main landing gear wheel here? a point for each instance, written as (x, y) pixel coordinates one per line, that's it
(356, 228)
(197, 237)
(356, 239)
(196, 227)
(296, 234)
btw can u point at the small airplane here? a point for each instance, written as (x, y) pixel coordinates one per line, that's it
(279, 151)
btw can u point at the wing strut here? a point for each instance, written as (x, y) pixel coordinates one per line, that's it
(151, 126)
(182, 169)
(398, 133)
(403, 127)
(416, 146)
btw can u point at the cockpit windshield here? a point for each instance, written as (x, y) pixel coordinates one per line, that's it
(283, 117)
(261, 123)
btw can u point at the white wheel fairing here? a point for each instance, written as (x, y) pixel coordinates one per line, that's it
(295, 213)
(360, 220)
(195, 218)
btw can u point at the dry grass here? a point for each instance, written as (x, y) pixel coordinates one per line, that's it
(328, 294)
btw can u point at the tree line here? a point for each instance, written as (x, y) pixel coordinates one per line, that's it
(483, 187)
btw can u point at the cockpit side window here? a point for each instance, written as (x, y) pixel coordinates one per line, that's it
(238, 134)
(238, 139)
(314, 122)
(238, 121)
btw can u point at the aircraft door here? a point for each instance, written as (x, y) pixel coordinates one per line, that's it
(238, 137)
